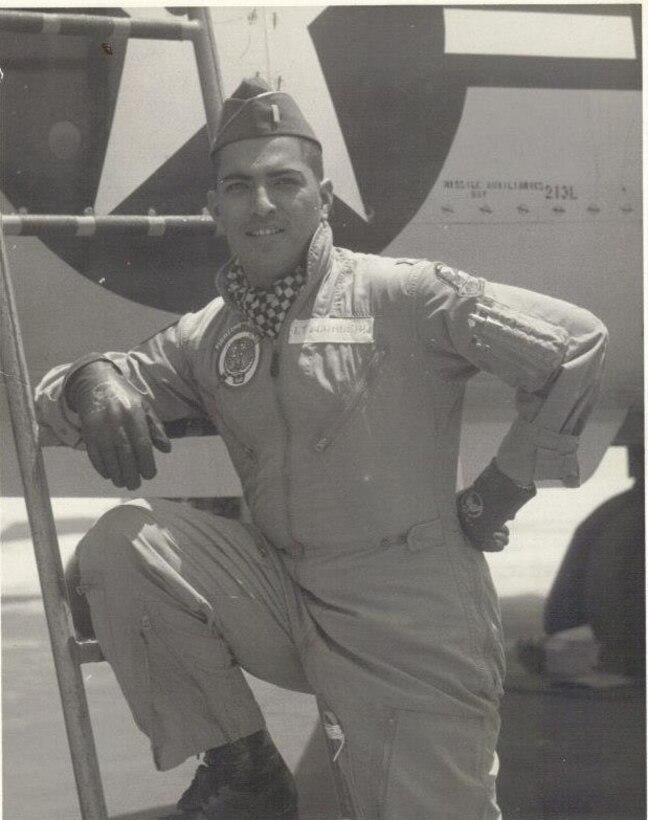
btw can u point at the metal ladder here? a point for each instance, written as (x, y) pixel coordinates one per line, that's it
(69, 652)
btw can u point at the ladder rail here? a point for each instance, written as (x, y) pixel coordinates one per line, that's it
(209, 73)
(68, 652)
(29, 22)
(48, 557)
(87, 227)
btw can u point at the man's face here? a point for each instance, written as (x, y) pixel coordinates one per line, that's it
(268, 202)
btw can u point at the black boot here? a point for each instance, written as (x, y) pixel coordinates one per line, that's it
(244, 780)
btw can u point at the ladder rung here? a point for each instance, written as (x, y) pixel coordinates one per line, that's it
(89, 652)
(28, 22)
(89, 226)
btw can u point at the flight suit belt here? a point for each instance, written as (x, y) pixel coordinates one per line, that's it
(417, 537)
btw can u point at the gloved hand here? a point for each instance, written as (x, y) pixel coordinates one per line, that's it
(118, 425)
(485, 507)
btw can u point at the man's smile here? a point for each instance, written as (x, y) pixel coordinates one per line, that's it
(260, 232)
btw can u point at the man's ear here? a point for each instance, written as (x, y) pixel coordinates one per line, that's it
(326, 194)
(212, 207)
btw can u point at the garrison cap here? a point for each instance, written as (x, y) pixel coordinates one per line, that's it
(254, 110)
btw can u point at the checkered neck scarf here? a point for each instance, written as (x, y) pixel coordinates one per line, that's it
(266, 309)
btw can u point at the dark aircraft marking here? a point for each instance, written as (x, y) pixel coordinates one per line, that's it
(399, 114)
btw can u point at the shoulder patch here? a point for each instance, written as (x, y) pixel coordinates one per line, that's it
(463, 283)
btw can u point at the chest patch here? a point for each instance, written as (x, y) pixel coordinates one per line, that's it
(349, 330)
(238, 353)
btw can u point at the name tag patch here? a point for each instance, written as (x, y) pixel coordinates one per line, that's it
(348, 330)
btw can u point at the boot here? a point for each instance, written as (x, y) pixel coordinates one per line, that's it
(243, 780)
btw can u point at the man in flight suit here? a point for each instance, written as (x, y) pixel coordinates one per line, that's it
(336, 381)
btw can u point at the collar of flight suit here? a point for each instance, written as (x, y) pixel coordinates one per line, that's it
(319, 259)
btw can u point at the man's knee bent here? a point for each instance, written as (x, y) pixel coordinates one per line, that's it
(102, 547)
(109, 544)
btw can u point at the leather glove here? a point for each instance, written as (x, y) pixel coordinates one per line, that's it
(118, 425)
(485, 507)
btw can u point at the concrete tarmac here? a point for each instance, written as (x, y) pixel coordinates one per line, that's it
(565, 755)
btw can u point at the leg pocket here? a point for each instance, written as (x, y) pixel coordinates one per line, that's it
(342, 764)
(439, 766)
(189, 636)
(482, 611)
(192, 678)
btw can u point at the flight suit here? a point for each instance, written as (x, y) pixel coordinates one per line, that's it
(354, 580)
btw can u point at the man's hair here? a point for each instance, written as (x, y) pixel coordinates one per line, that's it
(311, 153)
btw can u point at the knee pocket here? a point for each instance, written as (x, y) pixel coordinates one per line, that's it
(439, 765)
(190, 669)
(190, 636)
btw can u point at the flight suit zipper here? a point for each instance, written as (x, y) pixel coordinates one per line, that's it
(250, 452)
(274, 377)
(330, 432)
(274, 361)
